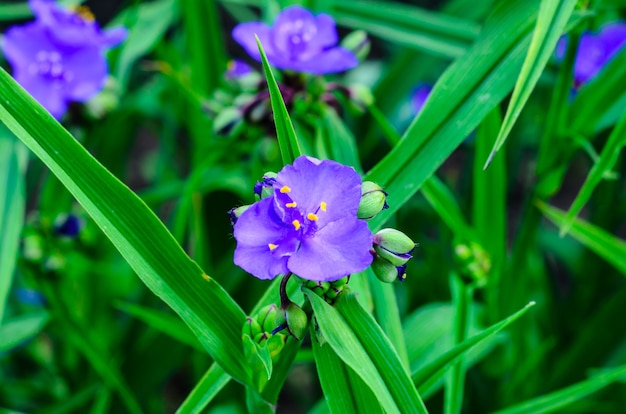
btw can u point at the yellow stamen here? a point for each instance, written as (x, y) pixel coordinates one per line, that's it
(323, 206)
(272, 246)
(291, 205)
(84, 13)
(312, 217)
(284, 189)
(296, 224)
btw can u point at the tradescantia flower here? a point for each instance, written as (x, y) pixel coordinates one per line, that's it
(299, 41)
(594, 50)
(59, 58)
(309, 226)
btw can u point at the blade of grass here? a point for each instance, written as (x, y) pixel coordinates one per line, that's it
(551, 21)
(212, 382)
(604, 244)
(12, 208)
(606, 162)
(14, 11)
(431, 371)
(563, 398)
(287, 140)
(18, 330)
(133, 228)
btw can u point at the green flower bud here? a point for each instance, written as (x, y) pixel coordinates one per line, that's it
(296, 321)
(320, 288)
(358, 43)
(394, 246)
(472, 263)
(265, 187)
(373, 200)
(340, 283)
(225, 120)
(251, 328)
(384, 270)
(235, 213)
(32, 247)
(275, 344)
(266, 317)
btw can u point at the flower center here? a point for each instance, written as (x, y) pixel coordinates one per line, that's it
(49, 64)
(298, 34)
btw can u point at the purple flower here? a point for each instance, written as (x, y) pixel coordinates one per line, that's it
(298, 41)
(594, 50)
(59, 57)
(419, 96)
(308, 227)
(237, 69)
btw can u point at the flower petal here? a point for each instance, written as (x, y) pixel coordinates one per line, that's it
(312, 182)
(114, 36)
(244, 35)
(326, 32)
(339, 249)
(22, 43)
(293, 30)
(86, 71)
(255, 230)
(333, 60)
(48, 94)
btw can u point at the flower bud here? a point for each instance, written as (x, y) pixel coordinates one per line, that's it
(33, 247)
(266, 317)
(361, 96)
(296, 321)
(386, 272)
(226, 119)
(235, 213)
(265, 188)
(320, 288)
(67, 225)
(472, 263)
(394, 246)
(373, 200)
(251, 328)
(358, 43)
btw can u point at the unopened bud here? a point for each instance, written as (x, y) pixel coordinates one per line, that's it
(472, 263)
(373, 200)
(387, 272)
(266, 317)
(320, 288)
(265, 187)
(32, 247)
(394, 246)
(235, 213)
(296, 321)
(358, 43)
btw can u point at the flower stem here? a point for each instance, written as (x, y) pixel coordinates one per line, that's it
(284, 299)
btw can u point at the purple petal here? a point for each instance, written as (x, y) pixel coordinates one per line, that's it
(334, 184)
(326, 32)
(590, 58)
(86, 72)
(114, 36)
(255, 230)
(339, 249)
(293, 30)
(244, 35)
(333, 60)
(49, 95)
(561, 48)
(22, 43)
(42, 9)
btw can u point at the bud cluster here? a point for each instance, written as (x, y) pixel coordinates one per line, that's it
(329, 291)
(472, 263)
(392, 251)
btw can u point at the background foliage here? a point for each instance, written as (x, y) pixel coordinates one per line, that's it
(543, 223)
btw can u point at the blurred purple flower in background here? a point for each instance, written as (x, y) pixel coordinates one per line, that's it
(298, 41)
(237, 69)
(594, 50)
(309, 226)
(60, 57)
(419, 96)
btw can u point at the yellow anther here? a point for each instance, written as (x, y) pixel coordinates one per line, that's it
(312, 217)
(84, 13)
(291, 205)
(272, 246)
(296, 224)
(323, 206)
(284, 189)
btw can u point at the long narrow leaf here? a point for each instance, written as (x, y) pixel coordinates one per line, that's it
(213, 381)
(134, 230)
(553, 16)
(604, 244)
(287, 140)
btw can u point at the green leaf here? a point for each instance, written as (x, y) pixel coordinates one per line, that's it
(551, 21)
(212, 382)
(382, 353)
(605, 245)
(563, 398)
(420, 29)
(14, 11)
(334, 377)
(340, 140)
(12, 206)
(462, 97)
(163, 322)
(18, 330)
(132, 228)
(287, 140)
(358, 351)
(430, 372)
(606, 162)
